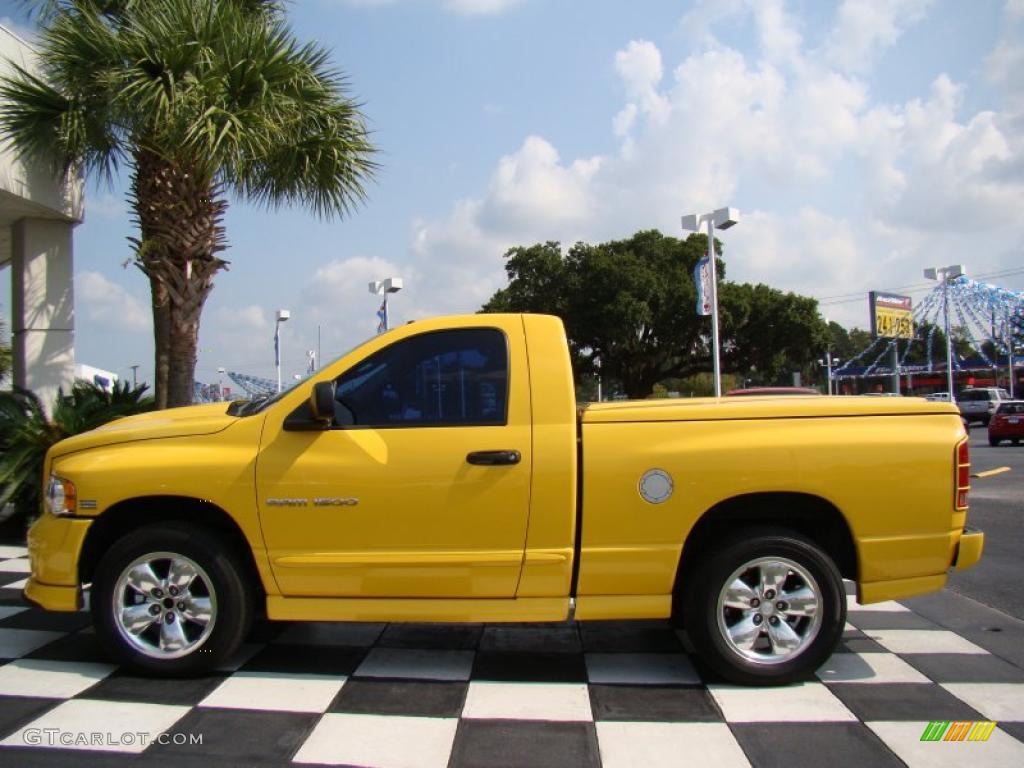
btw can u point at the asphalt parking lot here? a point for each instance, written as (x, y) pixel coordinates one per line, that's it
(612, 694)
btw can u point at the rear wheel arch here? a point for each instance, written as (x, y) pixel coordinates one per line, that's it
(811, 516)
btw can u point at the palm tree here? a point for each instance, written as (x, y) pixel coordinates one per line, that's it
(199, 99)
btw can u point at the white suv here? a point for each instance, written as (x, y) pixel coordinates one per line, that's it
(979, 404)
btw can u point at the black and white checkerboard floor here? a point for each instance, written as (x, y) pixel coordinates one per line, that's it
(611, 694)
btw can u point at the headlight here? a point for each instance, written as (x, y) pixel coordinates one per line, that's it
(61, 496)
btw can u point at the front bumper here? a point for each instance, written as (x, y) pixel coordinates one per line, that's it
(969, 549)
(54, 546)
(53, 598)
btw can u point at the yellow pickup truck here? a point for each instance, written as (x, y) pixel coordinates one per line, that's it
(443, 472)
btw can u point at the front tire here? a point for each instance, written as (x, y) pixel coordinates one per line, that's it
(171, 599)
(767, 607)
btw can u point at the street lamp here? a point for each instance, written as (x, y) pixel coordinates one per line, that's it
(282, 316)
(945, 274)
(827, 362)
(385, 287)
(723, 218)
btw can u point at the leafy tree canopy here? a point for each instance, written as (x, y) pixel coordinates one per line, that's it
(629, 306)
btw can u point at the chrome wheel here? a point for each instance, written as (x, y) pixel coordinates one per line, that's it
(164, 605)
(769, 610)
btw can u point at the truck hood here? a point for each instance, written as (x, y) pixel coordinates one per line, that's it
(172, 422)
(756, 407)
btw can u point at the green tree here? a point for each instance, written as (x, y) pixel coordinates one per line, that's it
(27, 432)
(199, 99)
(630, 304)
(771, 333)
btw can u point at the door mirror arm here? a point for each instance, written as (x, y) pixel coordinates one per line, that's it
(316, 414)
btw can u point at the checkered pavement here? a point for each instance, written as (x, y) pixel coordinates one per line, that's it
(603, 693)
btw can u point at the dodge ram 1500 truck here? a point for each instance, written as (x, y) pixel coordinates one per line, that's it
(443, 472)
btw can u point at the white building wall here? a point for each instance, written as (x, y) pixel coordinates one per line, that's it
(38, 212)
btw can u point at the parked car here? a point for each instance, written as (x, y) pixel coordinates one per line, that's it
(772, 391)
(979, 404)
(1007, 423)
(942, 397)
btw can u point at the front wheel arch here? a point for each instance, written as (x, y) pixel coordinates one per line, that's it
(131, 514)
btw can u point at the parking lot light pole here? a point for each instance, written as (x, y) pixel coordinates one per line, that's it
(723, 218)
(945, 274)
(282, 316)
(385, 288)
(1009, 351)
(827, 362)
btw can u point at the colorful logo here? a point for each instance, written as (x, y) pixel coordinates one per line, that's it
(958, 730)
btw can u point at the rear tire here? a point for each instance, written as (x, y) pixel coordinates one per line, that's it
(171, 599)
(766, 607)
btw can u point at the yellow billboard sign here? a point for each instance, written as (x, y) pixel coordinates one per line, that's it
(892, 316)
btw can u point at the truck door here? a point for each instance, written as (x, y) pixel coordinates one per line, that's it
(422, 486)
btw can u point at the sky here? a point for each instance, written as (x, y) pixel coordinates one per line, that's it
(861, 140)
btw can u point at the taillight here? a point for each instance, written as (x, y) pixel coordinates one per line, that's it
(963, 474)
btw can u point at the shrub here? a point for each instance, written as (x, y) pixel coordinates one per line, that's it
(27, 432)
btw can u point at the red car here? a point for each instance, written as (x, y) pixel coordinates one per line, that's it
(772, 391)
(1007, 423)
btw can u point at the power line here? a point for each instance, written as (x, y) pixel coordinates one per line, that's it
(849, 298)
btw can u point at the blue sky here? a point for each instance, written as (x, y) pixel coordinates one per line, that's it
(862, 140)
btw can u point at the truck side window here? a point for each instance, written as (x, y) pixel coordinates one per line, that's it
(444, 378)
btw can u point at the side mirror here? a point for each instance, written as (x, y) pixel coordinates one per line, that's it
(315, 414)
(321, 401)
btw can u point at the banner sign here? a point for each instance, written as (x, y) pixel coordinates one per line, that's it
(702, 279)
(892, 316)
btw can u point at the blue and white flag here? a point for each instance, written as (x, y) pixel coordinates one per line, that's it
(277, 349)
(382, 315)
(702, 279)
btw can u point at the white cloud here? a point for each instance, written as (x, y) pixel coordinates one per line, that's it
(777, 32)
(864, 28)
(533, 192)
(480, 7)
(639, 67)
(887, 187)
(109, 305)
(338, 300)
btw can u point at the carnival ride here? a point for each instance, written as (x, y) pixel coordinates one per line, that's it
(988, 318)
